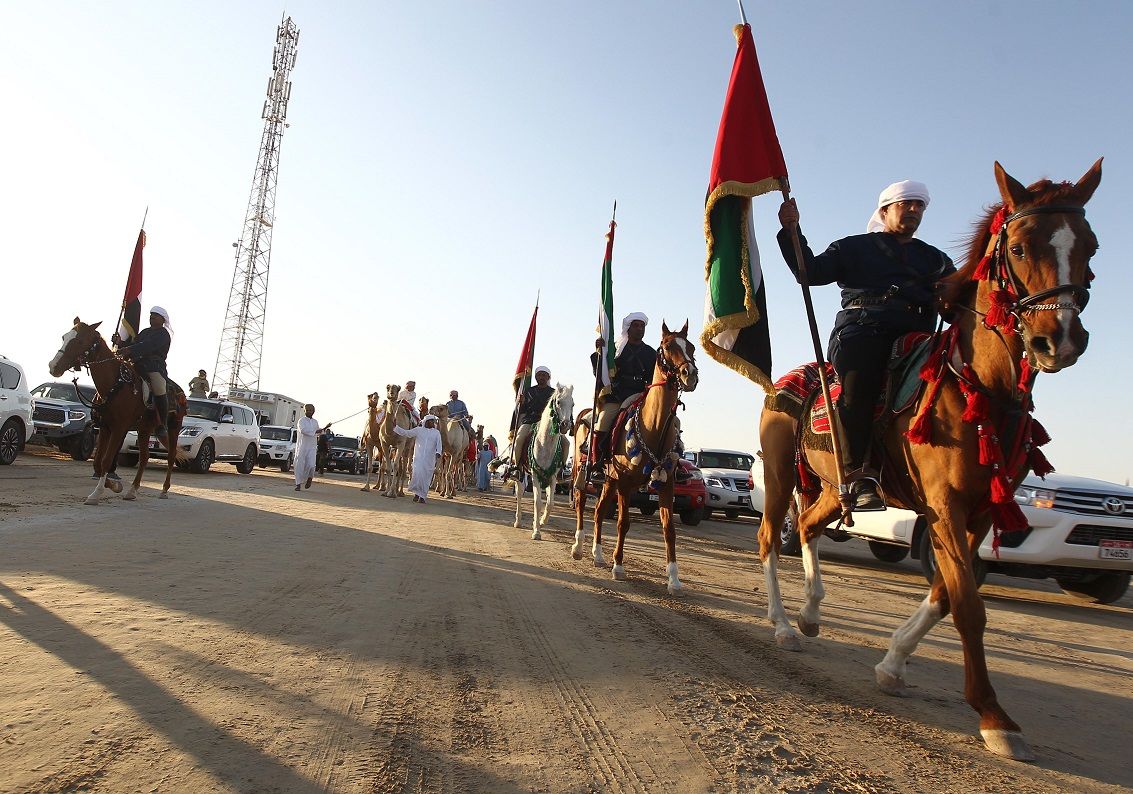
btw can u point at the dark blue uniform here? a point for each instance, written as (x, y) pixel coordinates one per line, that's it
(888, 289)
(149, 350)
(634, 371)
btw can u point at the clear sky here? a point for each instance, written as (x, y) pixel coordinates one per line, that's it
(447, 160)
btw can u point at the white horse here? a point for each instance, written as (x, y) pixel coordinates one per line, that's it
(549, 451)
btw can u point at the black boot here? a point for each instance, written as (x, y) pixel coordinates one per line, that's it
(597, 453)
(863, 490)
(161, 408)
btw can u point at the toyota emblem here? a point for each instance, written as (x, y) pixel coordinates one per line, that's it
(1113, 505)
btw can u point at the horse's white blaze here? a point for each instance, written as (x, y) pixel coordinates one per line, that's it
(906, 638)
(1062, 241)
(813, 591)
(67, 337)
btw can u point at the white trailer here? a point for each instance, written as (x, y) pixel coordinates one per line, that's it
(271, 408)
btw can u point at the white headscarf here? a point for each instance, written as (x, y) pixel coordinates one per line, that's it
(165, 315)
(898, 191)
(427, 417)
(541, 368)
(624, 338)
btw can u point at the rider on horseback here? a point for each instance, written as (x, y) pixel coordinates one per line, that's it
(888, 280)
(148, 351)
(633, 361)
(530, 408)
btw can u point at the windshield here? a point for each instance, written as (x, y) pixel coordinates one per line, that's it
(275, 433)
(725, 460)
(63, 391)
(205, 410)
(344, 442)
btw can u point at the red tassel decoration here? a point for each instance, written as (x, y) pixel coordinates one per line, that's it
(1007, 517)
(976, 408)
(1039, 464)
(1039, 436)
(989, 447)
(1025, 372)
(998, 220)
(920, 431)
(997, 315)
(983, 269)
(1001, 491)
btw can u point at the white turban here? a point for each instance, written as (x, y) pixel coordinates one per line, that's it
(541, 368)
(164, 315)
(898, 191)
(624, 338)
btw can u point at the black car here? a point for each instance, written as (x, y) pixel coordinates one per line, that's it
(344, 454)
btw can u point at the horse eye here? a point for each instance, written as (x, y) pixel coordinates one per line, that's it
(1017, 250)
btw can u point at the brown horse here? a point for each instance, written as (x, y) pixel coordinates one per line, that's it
(651, 447)
(120, 405)
(1016, 305)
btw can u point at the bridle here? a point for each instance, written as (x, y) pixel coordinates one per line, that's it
(672, 372)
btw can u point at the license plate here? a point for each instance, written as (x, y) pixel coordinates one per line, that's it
(654, 497)
(1115, 550)
(745, 500)
(153, 443)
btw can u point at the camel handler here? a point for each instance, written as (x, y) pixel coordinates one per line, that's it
(305, 451)
(530, 408)
(148, 351)
(634, 362)
(888, 280)
(426, 453)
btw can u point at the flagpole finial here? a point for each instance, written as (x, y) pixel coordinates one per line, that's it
(144, 216)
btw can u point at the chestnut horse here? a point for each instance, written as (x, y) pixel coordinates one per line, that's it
(1016, 305)
(655, 434)
(120, 406)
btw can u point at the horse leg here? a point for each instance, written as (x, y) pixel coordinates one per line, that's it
(143, 458)
(812, 524)
(112, 439)
(619, 572)
(890, 671)
(536, 493)
(669, 533)
(578, 489)
(548, 502)
(599, 511)
(518, 485)
(174, 432)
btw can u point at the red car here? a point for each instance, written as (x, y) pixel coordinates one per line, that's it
(689, 495)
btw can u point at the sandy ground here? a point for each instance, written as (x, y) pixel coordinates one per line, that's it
(244, 637)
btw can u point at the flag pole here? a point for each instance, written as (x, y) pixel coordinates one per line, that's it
(518, 394)
(819, 356)
(597, 380)
(122, 309)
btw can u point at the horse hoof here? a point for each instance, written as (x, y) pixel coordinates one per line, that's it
(90, 501)
(114, 486)
(366, 488)
(536, 536)
(129, 496)
(619, 572)
(891, 684)
(576, 552)
(1009, 744)
(789, 641)
(674, 588)
(807, 628)
(164, 495)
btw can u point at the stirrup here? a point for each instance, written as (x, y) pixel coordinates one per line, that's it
(865, 491)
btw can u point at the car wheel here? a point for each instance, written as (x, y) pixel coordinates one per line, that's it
(127, 459)
(790, 544)
(887, 552)
(205, 456)
(287, 464)
(1104, 588)
(11, 439)
(731, 515)
(82, 446)
(928, 562)
(248, 465)
(692, 516)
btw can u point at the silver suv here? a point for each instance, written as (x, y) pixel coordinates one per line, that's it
(62, 417)
(725, 474)
(16, 407)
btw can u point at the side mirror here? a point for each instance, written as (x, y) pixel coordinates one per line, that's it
(227, 419)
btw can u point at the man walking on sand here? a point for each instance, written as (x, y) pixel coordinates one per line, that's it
(426, 453)
(309, 432)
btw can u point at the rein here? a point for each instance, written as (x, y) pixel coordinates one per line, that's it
(547, 475)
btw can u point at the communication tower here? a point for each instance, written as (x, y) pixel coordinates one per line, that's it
(242, 340)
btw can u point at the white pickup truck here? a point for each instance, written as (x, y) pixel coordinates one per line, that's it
(1079, 533)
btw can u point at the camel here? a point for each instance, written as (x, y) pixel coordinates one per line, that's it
(395, 448)
(371, 441)
(454, 440)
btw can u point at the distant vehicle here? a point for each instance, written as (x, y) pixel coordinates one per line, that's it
(1079, 533)
(213, 430)
(273, 409)
(689, 495)
(345, 455)
(726, 478)
(16, 406)
(63, 420)
(277, 447)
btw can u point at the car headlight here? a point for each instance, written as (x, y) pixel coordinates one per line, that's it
(74, 413)
(1034, 497)
(695, 475)
(715, 482)
(191, 432)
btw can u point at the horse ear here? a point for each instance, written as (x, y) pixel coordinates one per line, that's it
(78, 322)
(1089, 182)
(684, 330)
(96, 325)
(665, 329)
(1010, 189)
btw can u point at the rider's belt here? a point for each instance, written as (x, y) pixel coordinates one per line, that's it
(887, 302)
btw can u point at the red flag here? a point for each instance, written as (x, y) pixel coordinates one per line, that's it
(130, 324)
(523, 369)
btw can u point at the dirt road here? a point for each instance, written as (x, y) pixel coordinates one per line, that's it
(244, 637)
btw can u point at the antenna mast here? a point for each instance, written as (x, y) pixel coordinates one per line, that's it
(242, 340)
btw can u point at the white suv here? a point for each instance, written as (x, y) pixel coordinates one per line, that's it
(16, 407)
(213, 430)
(726, 479)
(1079, 533)
(277, 446)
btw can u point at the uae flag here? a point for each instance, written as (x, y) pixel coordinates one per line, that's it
(523, 369)
(130, 324)
(606, 368)
(747, 162)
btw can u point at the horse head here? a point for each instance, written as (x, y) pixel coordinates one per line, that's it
(677, 356)
(78, 344)
(563, 402)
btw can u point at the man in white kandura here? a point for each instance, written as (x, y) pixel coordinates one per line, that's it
(426, 453)
(305, 450)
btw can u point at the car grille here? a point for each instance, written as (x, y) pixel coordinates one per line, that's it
(741, 485)
(44, 414)
(1090, 534)
(1091, 503)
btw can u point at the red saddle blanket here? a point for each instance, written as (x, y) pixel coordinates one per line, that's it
(903, 376)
